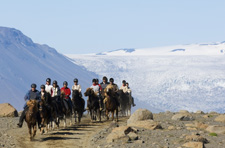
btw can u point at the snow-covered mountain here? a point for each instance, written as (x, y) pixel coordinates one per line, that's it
(192, 49)
(23, 62)
(172, 78)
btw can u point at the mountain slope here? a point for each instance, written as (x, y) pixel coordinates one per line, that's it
(23, 62)
(166, 82)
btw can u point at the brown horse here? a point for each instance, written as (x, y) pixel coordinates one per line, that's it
(93, 104)
(110, 103)
(31, 117)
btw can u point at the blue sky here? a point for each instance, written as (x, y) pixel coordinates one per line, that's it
(92, 26)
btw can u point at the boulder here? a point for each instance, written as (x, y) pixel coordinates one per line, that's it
(216, 129)
(132, 136)
(7, 110)
(120, 134)
(148, 124)
(220, 118)
(193, 145)
(140, 115)
(184, 111)
(183, 117)
(199, 112)
(196, 138)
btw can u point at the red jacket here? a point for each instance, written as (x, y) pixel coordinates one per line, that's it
(66, 91)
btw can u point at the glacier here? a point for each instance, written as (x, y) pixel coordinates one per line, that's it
(192, 78)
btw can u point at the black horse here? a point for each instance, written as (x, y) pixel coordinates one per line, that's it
(65, 109)
(78, 105)
(93, 104)
(125, 103)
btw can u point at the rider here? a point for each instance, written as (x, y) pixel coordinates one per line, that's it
(129, 92)
(56, 96)
(67, 92)
(99, 95)
(114, 89)
(77, 86)
(96, 89)
(124, 87)
(104, 84)
(32, 94)
(48, 86)
(47, 98)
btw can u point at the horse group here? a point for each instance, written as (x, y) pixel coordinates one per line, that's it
(47, 114)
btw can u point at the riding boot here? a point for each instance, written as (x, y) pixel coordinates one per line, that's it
(22, 117)
(133, 104)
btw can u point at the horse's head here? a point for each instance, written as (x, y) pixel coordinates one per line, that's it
(41, 105)
(32, 104)
(89, 92)
(75, 93)
(62, 95)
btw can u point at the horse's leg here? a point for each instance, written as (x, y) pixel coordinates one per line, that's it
(30, 131)
(117, 115)
(75, 116)
(112, 115)
(64, 121)
(34, 129)
(107, 114)
(91, 115)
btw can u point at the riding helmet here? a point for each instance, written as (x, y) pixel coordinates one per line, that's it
(65, 83)
(42, 86)
(111, 80)
(105, 78)
(94, 80)
(97, 80)
(75, 80)
(33, 85)
(55, 82)
(124, 82)
(48, 80)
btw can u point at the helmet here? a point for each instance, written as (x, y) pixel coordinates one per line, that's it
(42, 86)
(48, 80)
(75, 80)
(33, 85)
(65, 83)
(105, 78)
(94, 80)
(124, 82)
(97, 80)
(111, 80)
(55, 82)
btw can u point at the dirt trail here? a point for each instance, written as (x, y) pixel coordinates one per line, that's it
(71, 136)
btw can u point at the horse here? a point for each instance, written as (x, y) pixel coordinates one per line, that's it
(31, 117)
(93, 104)
(110, 104)
(44, 115)
(78, 105)
(65, 108)
(125, 103)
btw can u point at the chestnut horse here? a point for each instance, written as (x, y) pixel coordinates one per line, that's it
(110, 103)
(31, 117)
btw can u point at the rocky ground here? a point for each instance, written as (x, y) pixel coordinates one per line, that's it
(166, 130)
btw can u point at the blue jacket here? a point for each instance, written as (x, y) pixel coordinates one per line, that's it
(32, 95)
